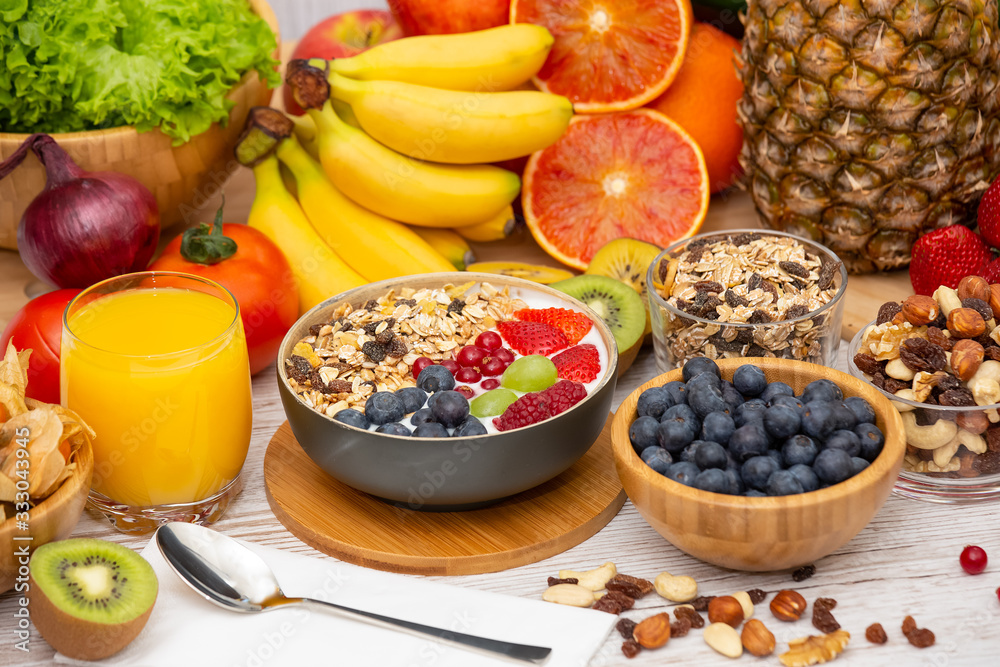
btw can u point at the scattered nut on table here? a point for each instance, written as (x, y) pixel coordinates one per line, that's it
(813, 650)
(653, 632)
(676, 589)
(725, 609)
(573, 595)
(744, 599)
(788, 605)
(724, 639)
(757, 639)
(593, 580)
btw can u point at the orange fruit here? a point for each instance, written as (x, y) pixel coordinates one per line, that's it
(703, 98)
(631, 174)
(609, 55)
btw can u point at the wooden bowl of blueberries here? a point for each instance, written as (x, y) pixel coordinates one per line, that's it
(757, 464)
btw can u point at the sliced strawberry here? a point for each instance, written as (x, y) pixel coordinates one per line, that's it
(945, 256)
(532, 337)
(988, 215)
(580, 363)
(572, 323)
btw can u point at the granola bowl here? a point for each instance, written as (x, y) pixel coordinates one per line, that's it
(746, 293)
(952, 452)
(433, 473)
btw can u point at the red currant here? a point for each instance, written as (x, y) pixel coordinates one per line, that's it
(467, 391)
(492, 366)
(998, 595)
(450, 364)
(504, 355)
(420, 364)
(973, 559)
(468, 375)
(489, 339)
(471, 355)
(490, 383)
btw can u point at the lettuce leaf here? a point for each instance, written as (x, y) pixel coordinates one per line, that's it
(69, 65)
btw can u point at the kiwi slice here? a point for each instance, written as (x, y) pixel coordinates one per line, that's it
(626, 260)
(89, 598)
(536, 272)
(618, 304)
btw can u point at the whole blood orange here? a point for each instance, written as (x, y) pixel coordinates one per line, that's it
(631, 174)
(609, 55)
(702, 99)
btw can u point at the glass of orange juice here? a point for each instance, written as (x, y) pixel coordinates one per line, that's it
(156, 363)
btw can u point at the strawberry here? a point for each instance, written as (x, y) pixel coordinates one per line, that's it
(563, 395)
(945, 256)
(526, 410)
(988, 215)
(992, 272)
(581, 363)
(572, 323)
(532, 337)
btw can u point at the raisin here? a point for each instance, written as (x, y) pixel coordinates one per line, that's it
(687, 306)
(708, 308)
(371, 304)
(878, 379)
(825, 603)
(960, 396)
(919, 354)
(754, 282)
(925, 418)
(299, 368)
(568, 580)
(663, 268)
(992, 353)
(314, 329)
(944, 382)
(709, 286)
(823, 619)
(795, 312)
(756, 350)
(734, 300)
(794, 269)
(624, 627)
(827, 272)
(688, 614)
(919, 637)
(694, 254)
(680, 628)
(887, 311)
(614, 602)
(769, 287)
(385, 336)
(625, 587)
(757, 595)
(397, 348)
(980, 307)
(456, 305)
(799, 284)
(875, 633)
(804, 573)
(371, 327)
(374, 351)
(746, 238)
(735, 345)
(993, 438)
(867, 363)
(332, 387)
(987, 463)
(631, 648)
(644, 586)
(892, 385)
(937, 337)
(700, 603)
(758, 316)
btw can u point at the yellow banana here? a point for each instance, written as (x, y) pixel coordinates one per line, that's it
(500, 58)
(305, 132)
(318, 271)
(498, 227)
(374, 246)
(453, 126)
(448, 243)
(419, 193)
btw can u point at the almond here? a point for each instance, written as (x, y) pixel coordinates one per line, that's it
(724, 639)
(757, 639)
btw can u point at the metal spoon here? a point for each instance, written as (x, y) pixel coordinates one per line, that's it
(225, 572)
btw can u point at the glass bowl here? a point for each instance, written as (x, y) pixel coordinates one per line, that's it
(755, 323)
(951, 472)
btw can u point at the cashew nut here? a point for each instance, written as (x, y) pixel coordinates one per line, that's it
(592, 580)
(952, 466)
(898, 370)
(974, 442)
(905, 394)
(675, 589)
(944, 453)
(926, 437)
(744, 599)
(947, 299)
(984, 383)
(995, 334)
(993, 415)
(573, 595)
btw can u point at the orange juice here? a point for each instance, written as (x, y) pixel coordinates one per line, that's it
(162, 377)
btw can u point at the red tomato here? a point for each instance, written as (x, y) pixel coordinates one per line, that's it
(38, 326)
(259, 277)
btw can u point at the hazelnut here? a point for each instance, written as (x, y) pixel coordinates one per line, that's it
(973, 421)
(725, 609)
(653, 632)
(757, 639)
(966, 357)
(966, 323)
(994, 299)
(974, 287)
(788, 605)
(919, 309)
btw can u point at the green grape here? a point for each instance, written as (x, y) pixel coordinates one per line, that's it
(531, 373)
(492, 403)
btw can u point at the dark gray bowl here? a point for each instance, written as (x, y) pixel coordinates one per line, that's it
(446, 473)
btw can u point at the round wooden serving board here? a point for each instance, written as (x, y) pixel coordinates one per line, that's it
(358, 528)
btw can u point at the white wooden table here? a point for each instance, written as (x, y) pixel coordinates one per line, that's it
(904, 562)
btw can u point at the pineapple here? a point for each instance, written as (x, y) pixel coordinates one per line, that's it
(867, 123)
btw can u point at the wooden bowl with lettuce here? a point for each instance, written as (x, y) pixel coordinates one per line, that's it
(155, 89)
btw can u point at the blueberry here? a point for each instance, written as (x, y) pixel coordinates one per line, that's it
(799, 450)
(748, 441)
(687, 454)
(657, 458)
(845, 440)
(822, 390)
(752, 410)
(683, 473)
(781, 421)
(422, 416)
(471, 426)
(352, 417)
(642, 433)
(843, 418)
(757, 470)
(833, 466)
(776, 455)
(857, 465)
(435, 378)
(683, 412)
(776, 389)
(732, 397)
(749, 380)
(783, 483)
(450, 408)
(393, 428)
(653, 402)
(817, 420)
(710, 455)
(862, 409)
(807, 478)
(677, 391)
(430, 430)
(717, 427)
(871, 439)
(697, 365)
(754, 493)
(704, 378)
(735, 482)
(674, 435)
(383, 407)
(413, 398)
(713, 480)
(790, 401)
(705, 398)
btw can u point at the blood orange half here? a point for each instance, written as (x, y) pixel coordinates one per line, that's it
(609, 55)
(631, 174)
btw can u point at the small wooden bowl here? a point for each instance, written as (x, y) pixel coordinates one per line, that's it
(52, 519)
(762, 534)
(182, 178)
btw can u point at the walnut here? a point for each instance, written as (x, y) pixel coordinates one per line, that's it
(813, 650)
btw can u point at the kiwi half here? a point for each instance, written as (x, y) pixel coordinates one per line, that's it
(626, 260)
(89, 598)
(618, 304)
(535, 272)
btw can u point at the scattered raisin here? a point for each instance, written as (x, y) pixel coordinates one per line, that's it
(875, 633)
(757, 595)
(823, 619)
(804, 573)
(735, 300)
(708, 308)
(568, 580)
(625, 587)
(688, 614)
(371, 304)
(794, 269)
(746, 238)
(754, 282)
(700, 603)
(370, 327)
(957, 397)
(937, 337)
(374, 351)
(980, 307)
(643, 586)
(825, 603)
(331, 387)
(887, 311)
(385, 336)
(397, 348)
(892, 385)
(758, 316)
(456, 305)
(769, 287)
(680, 628)
(694, 254)
(919, 354)
(624, 627)
(314, 329)
(614, 602)
(709, 286)
(795, 312)
(631, 648)
(299, 368)
(827, 272)
(867, 363)
(878, 379)
(919, 637)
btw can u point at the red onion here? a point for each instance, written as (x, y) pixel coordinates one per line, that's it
(84, 226)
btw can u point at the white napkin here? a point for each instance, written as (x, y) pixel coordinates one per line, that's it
(187, 630)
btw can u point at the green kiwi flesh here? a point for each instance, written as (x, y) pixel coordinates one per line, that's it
(626, 260)
(89, 598)
(620, 306)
